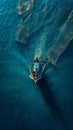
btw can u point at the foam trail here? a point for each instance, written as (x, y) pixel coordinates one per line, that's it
(40, 47)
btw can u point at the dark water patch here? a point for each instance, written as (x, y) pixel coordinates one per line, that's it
(47, 94)
(8, 110)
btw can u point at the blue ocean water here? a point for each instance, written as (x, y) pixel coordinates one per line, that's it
(49, 104)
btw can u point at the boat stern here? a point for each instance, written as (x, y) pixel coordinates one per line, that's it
(35, 79)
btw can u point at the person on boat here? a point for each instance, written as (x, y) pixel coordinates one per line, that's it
(36, 67)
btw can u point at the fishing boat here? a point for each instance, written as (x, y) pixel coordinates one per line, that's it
(37, 69)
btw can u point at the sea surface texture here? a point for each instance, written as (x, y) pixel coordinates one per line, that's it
(30, 28)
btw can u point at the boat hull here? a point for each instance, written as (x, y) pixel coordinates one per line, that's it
(40, 73)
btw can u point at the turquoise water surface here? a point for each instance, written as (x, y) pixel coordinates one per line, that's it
(45, 29)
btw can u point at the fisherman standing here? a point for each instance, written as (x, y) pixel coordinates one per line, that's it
(36, 65)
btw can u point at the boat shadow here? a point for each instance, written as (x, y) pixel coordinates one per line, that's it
(45, 89)
(46, 92)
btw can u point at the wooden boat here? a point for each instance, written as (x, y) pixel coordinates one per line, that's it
(37, 69)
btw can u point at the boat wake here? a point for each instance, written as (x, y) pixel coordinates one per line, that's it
(43, 30)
